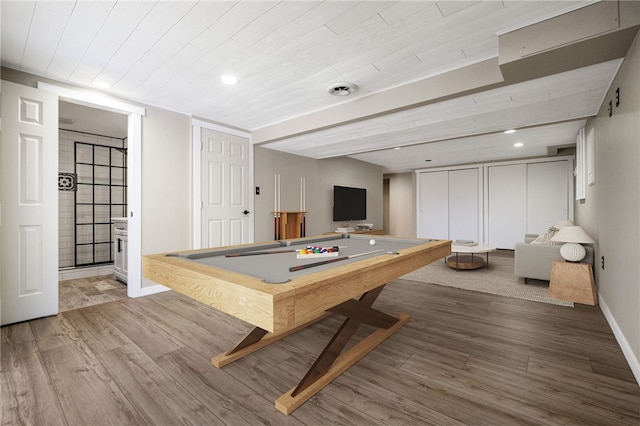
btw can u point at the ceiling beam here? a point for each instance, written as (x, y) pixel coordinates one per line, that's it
(586, 36)
(590, 35)
(484, 74)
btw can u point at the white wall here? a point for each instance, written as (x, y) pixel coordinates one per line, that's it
(402, 222)
(320, 177)
(166, 182)
(611, 209)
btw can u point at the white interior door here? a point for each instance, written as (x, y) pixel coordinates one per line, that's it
(433, 205)
(507, 205)
(29, 232)
(226, 189)
(464, 204)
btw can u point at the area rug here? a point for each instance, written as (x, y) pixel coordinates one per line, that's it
(498, 278)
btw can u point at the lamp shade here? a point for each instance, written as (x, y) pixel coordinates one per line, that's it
(562, 223)
(573, 234)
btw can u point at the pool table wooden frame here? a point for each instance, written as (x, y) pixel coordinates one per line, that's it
(277, 310)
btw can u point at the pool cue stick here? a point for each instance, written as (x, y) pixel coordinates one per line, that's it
(335, 259)
(254, 253)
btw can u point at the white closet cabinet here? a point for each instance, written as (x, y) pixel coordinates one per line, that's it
(494, 203)
(449, 204)
(526, 198)
(433, 205)
(507, 206)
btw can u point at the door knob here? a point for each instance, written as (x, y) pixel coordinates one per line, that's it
(245, 212)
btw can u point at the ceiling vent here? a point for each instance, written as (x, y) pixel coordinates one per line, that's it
(342, 89)
(569, 149)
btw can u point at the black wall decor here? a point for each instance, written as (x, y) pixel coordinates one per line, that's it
(66, 181)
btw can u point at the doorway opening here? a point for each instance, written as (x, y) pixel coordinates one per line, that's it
(91, 191)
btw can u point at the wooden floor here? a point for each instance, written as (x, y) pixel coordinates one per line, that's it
(464, 358)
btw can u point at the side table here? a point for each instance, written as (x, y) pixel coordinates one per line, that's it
(467, 260)
(573, 282)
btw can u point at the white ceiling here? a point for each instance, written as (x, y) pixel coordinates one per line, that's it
(286, 54)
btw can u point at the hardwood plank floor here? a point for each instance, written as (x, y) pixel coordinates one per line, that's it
(465, 358)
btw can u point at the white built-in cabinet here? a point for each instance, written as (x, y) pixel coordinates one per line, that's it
(120, 249)
(449, 204)
(494, 203)
(527, 199)
(506, 197)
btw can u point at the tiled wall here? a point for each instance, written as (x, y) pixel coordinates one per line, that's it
(66, 243)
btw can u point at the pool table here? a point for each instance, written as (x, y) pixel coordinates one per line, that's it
(271, 286)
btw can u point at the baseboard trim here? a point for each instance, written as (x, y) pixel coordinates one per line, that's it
(148, 291)
(629, 355)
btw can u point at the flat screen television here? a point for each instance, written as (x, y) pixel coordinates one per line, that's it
(349, 203)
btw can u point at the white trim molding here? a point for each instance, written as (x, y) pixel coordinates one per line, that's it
(196, 178)
(134, 171)
(92, 99)
(580, 169)
(627, 351)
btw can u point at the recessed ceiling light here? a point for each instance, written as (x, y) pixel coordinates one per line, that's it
(518, 144)
(101, 84)
(510, 131)
(229, 79)
(396, 148)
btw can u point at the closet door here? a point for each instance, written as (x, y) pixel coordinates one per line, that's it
(547, 194)
(433, 205)
(507, 205)
(464, 204)
(449, 204)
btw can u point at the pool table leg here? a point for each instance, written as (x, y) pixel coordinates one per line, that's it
(253, 337)
(332, 362)
(256, 339)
